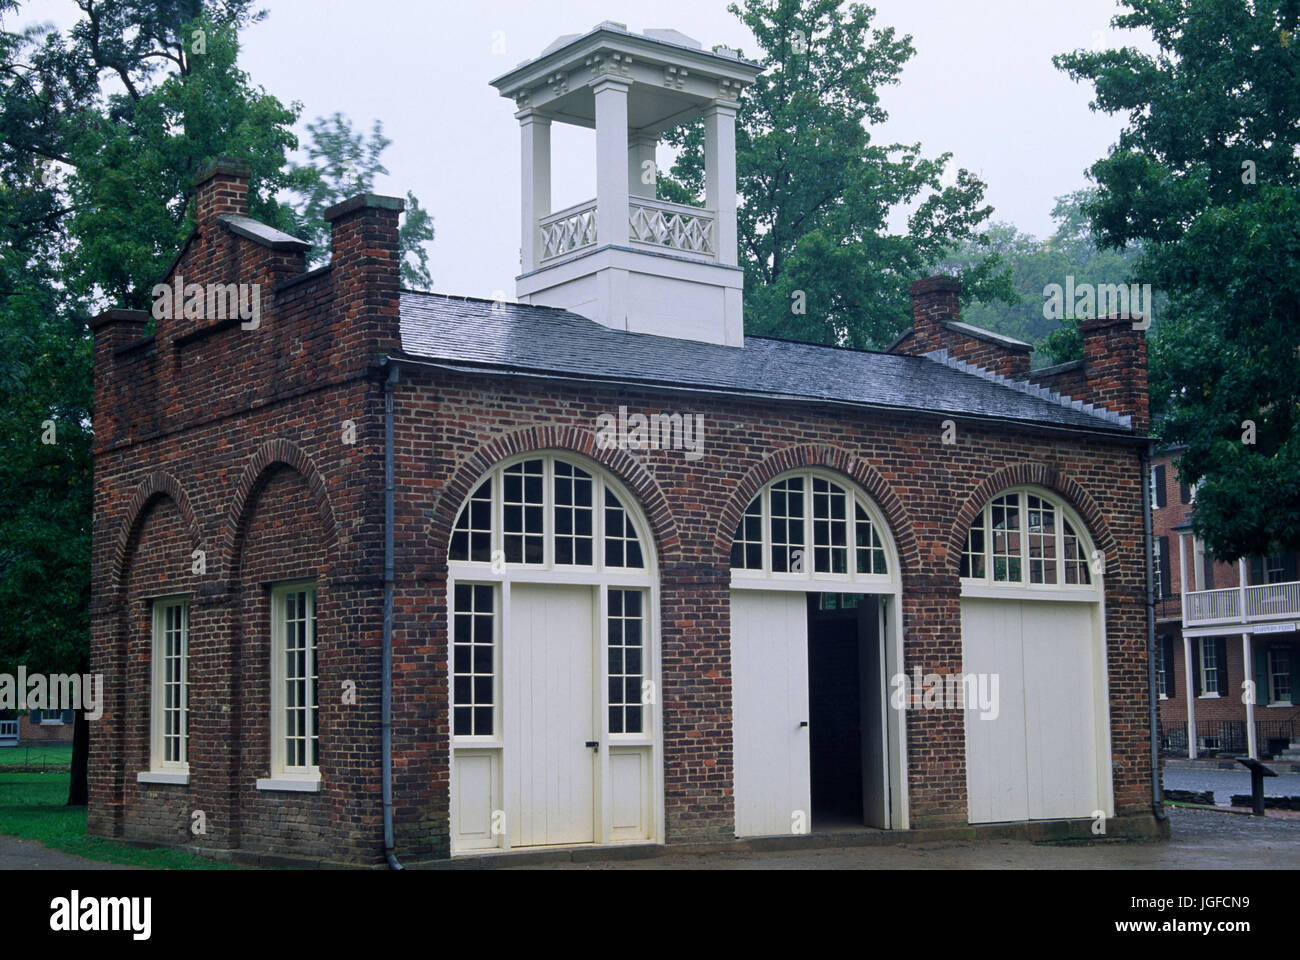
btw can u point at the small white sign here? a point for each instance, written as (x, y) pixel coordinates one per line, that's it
(1275, 628)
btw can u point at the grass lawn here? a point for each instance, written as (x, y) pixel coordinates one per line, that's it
(33, 806)
(54, 757)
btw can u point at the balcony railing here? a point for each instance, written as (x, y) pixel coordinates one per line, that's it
(1271, 601)
(651, 223)
(680, 228)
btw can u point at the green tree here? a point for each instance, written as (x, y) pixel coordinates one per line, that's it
(1206, 176)
(1071, 251)
(817, 191)
(344, 163)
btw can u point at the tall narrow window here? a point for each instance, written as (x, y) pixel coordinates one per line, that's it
(473, 671)
(1005, 521)
(626, 661)
(170, 685)
(830, 527)
(788, 547)
(1162, 670)
(1210, 666)
(1279, 676)
(574, 515)
(523, 508)
(296, 748)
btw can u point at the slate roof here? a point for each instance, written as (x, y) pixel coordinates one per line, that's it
(466, 332)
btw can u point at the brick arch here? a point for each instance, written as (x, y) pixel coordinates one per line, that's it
(1033, 473)
(827, 457)
(272, 454)
(159, 485)
(625, 468)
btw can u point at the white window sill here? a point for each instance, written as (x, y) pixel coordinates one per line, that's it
(1280, 703)
(293, 784)
(1210, 696)
(1164, 696)
(51, 723)
(181, 777)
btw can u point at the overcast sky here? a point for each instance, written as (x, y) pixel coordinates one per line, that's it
(981, 85)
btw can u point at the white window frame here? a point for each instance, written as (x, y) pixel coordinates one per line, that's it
(809, 578)
(305, 778)
(1156, 560)
(987, 586)
(1274, 563)
(162, 770)
(1154, 493)
(1272, 672)
(1210, 643)
(1162, 670)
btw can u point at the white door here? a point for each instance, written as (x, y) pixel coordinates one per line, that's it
(769, 682)
(549, 716)
(1037, 758)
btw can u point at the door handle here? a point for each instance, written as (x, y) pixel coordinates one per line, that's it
(594, 744)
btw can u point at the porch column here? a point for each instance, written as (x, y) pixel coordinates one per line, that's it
(1248, 671)
(611, 160)
(641, 178)
(720, 176)
(535, 188)
(1191, 697)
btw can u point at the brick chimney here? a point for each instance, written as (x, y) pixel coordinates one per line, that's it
(114, 331)
(221, 186)
(366, 270)
(936, 325)
(1115, 366)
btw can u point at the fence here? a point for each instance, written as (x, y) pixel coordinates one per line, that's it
(1225, 737)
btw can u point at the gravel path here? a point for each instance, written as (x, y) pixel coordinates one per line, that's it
(18, 854)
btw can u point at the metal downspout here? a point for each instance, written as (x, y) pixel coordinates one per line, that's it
(1157, 801)
(387, 686)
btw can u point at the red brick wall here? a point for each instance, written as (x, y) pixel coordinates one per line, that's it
(934, 301)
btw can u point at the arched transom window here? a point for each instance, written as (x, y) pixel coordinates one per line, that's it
(807, 525)
(546, 512)
(1027, 537)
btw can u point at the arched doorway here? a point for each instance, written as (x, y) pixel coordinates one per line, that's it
(554, 661)
(1033, 620)
(814, 636)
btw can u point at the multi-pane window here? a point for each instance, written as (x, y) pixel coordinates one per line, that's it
(1022, 537)
(1004, 520)
(871, 552)
(1162, 670)
(830, 510)
(295, 691)
(1157, 565)
(747, 548)
(627, 667)
(787, 509)
(803, 524)
(1041, 529)
(546, 511)
(522, 511)
(170, 684)
(472, 537)
(1210, 666)
(473, 653)
(1279, 676)
(622, 548)
(574, 515)
(1275, 568)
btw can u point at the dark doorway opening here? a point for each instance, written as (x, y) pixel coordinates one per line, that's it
(844, 689)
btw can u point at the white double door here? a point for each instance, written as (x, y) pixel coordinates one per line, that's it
(550, 720)
(1038, 758)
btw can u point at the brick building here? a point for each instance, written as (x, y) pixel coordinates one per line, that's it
(1204, 641)
(616, 572)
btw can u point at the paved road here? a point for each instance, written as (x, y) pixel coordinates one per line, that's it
(18, 854)
(1202, 840)
(1225, 783)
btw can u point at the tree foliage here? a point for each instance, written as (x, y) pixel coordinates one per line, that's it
(1206, 177)
(817, 191)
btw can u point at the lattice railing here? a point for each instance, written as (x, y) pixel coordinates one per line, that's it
(569, 230)
(671, 225)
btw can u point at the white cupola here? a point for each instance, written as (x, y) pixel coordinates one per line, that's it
(626, 259)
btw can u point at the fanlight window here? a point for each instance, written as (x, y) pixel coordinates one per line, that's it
(1025, 537)
(806, 524)
(545, 511)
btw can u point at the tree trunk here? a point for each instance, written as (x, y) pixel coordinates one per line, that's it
(79, 790)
